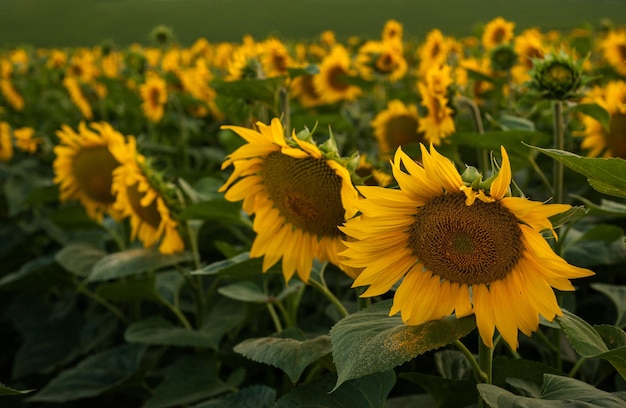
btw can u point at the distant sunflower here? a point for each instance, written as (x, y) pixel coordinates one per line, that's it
(614, 50)
(6, 144)
(396, 126)
(598, 140)
(13, 97)
(497, 31)
(392, 31)
(455, 248)
(73, 87)
(154, 96)
(381, 59)
(84, 166)
(303, 88)
(298, 196)
(275, 58)
(529, 45)
(331, 82)
(137, 198)
(438, 122)
(433, 52)
(24, 139)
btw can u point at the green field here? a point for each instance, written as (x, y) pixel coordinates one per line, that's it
(87, 22)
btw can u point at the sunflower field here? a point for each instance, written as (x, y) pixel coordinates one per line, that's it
(376, 222)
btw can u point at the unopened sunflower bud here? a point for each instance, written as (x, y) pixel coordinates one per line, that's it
(502, 57)
(557, 76)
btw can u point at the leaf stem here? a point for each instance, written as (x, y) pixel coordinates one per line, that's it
(99, 299)
(479, 374)
(559, 143)
(275, 319)
(577, 367)
(323, 289)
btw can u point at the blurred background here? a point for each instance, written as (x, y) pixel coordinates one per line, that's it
(58, 23)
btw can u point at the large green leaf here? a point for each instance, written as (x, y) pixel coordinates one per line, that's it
(606, 207)
(218, 210)
(189, 379)
(606, 175)
(617, 294)
(557, 392)
(245, 291)
(238, 267)
(158, 331)
(366, 392)
(605, 342)
(370, 341)
(255, 396)
(79, 259)
(93, 376)
(291, 355)
(4, 390)
(134, 262)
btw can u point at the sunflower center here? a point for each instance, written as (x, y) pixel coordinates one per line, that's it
(474, 244)
(616, 140)
(92, 168)
(335, 78)
(150, 214)
(307, 192)
(155, 97)
(402, 130)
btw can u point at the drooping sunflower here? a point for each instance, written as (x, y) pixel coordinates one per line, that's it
(331, 82)
(6, 145)
(497, 31)
(438, 122)
(84, 166)
(458, 247)
(396, 126)
(137, 197)
(298, 194)
(73, 87)
(614, 50)
(154, 96)
(598, 140)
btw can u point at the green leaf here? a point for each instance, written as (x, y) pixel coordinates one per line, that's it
(139, 288)
(41, 272)
(606, 175)
(94, 375)
(505, 369)
(617, 294)
(215, 210)
(245, 291)
(452, 365)
(510, 122)
(411, 401)
(514, 141)
(290, 355)
(595, 111)
(573, 214)
(158, 331)
(557, 392)
(447, 393)
(134, 262)
(591, 342)
(603, 232)
(366, 392)
(370, 341)
(4, 390)
(189, 379)
(79, 259)
(204, 189)
(606, 207)
(238, 267)
(225, 315)
(255, 396)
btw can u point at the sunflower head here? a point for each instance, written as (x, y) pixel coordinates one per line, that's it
(298, 191)
(162, 35)
(557, 76)
(502, 57)
(458, 244)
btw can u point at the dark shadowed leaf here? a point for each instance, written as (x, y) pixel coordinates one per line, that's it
(617, 294)
(79, 259)
(447, 393)
(94, 375)
(158, 331)
(189, 379)
(245, 292)
(134, 262)
(4, 390)
(366, 392)
(291, 355)
(370, 341)
(255, 396)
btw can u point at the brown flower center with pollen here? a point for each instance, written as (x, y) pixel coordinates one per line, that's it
(335, 77)
(92, 167)
(149, 214)
(399, 131)
(474, 244)
(306, 192)
(616, 138)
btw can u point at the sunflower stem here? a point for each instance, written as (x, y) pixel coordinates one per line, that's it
(286, 315)
(286, 110)
(479, 374)
(577, 367)
(323, 289)
(559, 143)
(485, 360)
(480, 129)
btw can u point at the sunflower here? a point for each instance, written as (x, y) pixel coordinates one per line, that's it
(13, 97)
(331, 82)
(84, 166)
(138, 197)
(303, 88)
(275, 58)
(6, 145)
(438, 123)
(497, 31)
(392, 31)
(24, 139)
(73, 87)
(614, 50)
(598, 140)
(154, 96)
(381, 58)
(457, 248)
(298, 194)
(529, 45)
(396, 126)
